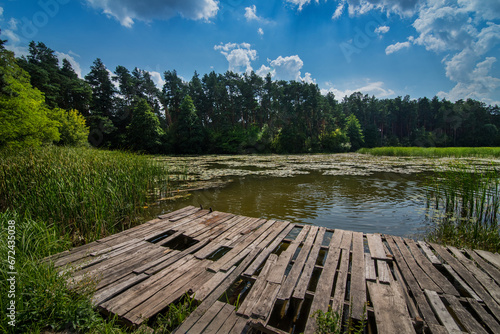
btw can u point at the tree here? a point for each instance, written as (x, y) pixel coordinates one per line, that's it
(188, 133)
(354, 132)
(25, 119)
(102, 106)
(144, 131)
(72, 127)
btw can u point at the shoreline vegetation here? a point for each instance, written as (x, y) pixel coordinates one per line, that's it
(65, 196)
(439, 152)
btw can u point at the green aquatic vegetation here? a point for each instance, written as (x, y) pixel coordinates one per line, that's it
(459, 152)
(463, 205)
(85, 193)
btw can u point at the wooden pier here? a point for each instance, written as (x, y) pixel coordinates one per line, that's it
(285, 272)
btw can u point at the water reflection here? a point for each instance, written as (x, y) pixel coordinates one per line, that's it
(388, 203)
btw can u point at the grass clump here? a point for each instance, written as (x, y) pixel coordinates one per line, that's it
(85, 193)
(330, 322)
(464, 205)
(440, 152)
(175, 315)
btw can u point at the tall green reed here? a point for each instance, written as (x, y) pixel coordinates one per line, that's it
(442, 152)
(464, 205)
(86, 193)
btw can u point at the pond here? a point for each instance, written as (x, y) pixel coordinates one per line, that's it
(351, 192)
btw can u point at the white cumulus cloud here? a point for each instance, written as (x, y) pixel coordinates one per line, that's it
(300, 3)
(239, 56)
(157, 79)
(127, 11)
(260, 31)
(382, 30)
(286, 68)
(251, 13)
(368, 87)
(68, 56)
(396, 47)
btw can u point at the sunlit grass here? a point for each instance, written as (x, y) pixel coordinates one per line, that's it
(85, 193)
(458, 152)
(464, 207)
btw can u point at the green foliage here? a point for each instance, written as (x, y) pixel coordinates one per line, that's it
(189, 135)
(335, 141)
(458, 152)
(354, 132)
(73, 128)
(175, 314)
(43, 301)
(86, 193)
(24, 118)
(464, 206)
(144, 131)
(330, 322)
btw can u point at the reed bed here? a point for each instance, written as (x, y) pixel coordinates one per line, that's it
(441, 152)
(463, 204)
(85, 193)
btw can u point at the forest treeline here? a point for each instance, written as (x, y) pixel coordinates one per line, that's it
(218, 113)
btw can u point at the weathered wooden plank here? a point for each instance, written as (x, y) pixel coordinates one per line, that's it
(263, 308)
(423, 280)
(278, 272)
(485, 317)
(358, 284)
(370, 272)
(210, 299)
(391, 314)
(137, 294)
(184, 211)
(420, 299)
(469, 278)
(461, 282)
(167, 295)
(219, 321)
(294, 274)
(341, 284)
(258, 287)
(227, 326)
(490, 257)
(79, 253)
(109, 262)
(441, 312)
(428, 252)
(412, 307)
(490, 269)
(430, 270)
(325, 282)
(376, 247)
(384, 275)
(108, 274)
(465, 318)
(241, 250)
(486, 281)
(240, 327)
(207, 318)
(305, 277)
(438, 329)
(346, 240)
(203, 291)
(162, 265)
(117, 287)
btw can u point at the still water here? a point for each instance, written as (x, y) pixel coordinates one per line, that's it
(383, 202)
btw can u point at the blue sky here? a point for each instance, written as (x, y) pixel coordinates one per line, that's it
(385, 48)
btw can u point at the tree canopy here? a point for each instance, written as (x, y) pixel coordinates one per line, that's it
(225, 113)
